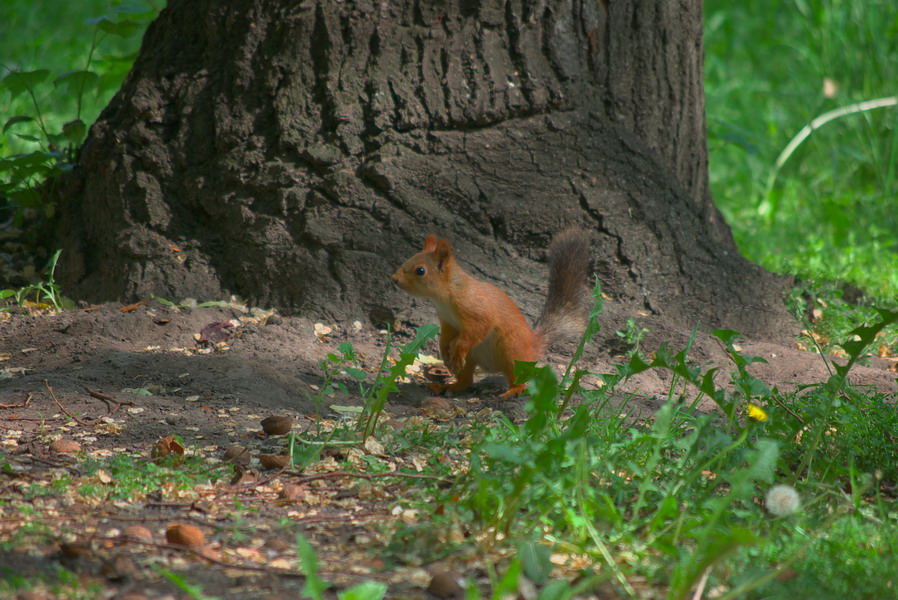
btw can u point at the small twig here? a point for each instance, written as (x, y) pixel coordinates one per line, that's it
(369, 476)
(62, 408)
(53, 463)
(246, 486)
(21, 405)
(109, 400)
(725, 350)
(198, 552)
(787, 409)
(188, 505)
(340, 517)
(14, 418)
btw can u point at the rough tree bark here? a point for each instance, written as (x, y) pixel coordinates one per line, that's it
(295, 152)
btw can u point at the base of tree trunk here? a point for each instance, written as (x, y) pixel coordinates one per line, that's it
(321, 238)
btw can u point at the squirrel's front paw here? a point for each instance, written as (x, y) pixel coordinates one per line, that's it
(456, 362)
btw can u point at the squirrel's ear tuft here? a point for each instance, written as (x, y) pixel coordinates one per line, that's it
(430, 243)
(442, 253)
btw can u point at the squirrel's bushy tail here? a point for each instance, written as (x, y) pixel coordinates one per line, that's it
(565, 312)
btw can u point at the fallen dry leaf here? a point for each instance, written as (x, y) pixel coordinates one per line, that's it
(167, 446)
(372, 446)
(215, 333)
(132, 307)
(244, 476)
(182, 534)
(237, 455)
(321, 331)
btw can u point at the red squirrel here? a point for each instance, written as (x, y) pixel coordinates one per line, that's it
(480, 325)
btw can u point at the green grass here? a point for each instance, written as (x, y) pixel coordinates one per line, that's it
(831, 213)
(679, 499)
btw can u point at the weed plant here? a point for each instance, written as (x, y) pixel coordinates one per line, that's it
(45, 293)
(135, 477)
(375, 397)
(678, 500)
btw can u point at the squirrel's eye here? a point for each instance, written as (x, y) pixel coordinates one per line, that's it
(420, 271)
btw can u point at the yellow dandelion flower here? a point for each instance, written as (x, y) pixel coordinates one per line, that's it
(757, 413)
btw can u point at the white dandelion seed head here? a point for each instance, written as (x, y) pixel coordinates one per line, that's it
(782, 500)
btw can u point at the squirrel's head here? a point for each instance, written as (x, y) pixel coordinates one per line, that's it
(427, 272)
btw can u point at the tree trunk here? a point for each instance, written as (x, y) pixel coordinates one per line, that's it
(295, 153)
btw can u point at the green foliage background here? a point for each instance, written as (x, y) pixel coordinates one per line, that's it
(58, 37)
(832, 213)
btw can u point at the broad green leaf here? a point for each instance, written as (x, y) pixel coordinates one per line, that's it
(357, 374)
(346, 410)
(507, 586)
(138, 391)
(370, 590)
(505, 453)
(26, 197)
(303, 456)
(213, 303)
(762, 461)
(18, 82)
(535, 559)
(558, 589)
(78, 82)
(727, 336)
(13, 120)
(308, 561)
(134, 8)
(74, 131)
(124, 28)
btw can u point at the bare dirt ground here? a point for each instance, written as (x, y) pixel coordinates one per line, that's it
(213, 396)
